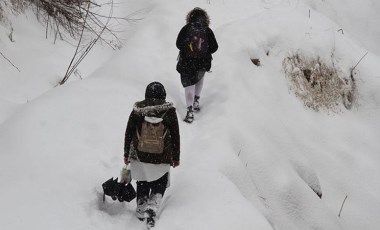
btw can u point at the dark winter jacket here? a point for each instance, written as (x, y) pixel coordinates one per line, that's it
(156, 108)
(187, 65)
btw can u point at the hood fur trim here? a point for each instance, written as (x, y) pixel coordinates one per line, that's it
(151, 109)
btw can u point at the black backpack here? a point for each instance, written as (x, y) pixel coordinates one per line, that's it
(196, 41)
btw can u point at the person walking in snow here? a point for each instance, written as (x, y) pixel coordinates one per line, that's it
(151, 146)
(196, 43)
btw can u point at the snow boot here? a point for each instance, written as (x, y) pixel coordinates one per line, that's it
(150, 215)
(140, 209)
(189, 115)
(196, 104)
(152, 207)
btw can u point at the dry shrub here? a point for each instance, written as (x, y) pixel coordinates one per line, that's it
(5, 7)
(78, 16)
(11, 6)
(19, 6)
(319, 85)
(67, 15)
(2, 11)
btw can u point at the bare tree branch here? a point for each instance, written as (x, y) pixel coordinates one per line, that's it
(9, 61)
(73, 65)
(76, 52)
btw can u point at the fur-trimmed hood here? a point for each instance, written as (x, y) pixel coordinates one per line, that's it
(151, 107)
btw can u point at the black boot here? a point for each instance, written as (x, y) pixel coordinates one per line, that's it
(189, 115)
(196, 104)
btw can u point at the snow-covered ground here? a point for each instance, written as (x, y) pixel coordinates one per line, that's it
(253, 155)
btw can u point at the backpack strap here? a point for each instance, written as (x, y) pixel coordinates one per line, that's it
(164, 114)
(163, 136)
(138, 134)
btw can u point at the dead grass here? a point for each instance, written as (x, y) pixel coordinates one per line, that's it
(8, 7)
(2, 16)
(320, 86)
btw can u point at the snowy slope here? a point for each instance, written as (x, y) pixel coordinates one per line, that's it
(359, 18)
(33, 64)
(249, 160)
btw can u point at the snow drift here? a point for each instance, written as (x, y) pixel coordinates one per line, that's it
(255, 156)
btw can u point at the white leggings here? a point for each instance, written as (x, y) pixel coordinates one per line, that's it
(193, 90)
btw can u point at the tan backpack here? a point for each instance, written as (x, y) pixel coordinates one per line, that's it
(151, 139)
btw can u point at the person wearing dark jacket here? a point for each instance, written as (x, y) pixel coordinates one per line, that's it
(193, 64)
(152, 170)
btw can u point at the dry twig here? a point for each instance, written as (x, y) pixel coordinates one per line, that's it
(342, 205)
(9, 61)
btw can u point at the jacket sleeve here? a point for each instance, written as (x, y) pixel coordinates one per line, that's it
(129, 133)
(174, 132)
(213, 44)
(181, 39)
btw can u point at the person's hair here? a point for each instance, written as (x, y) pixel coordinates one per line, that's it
(198, 15)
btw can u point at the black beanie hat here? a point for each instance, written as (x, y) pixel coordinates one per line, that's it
(155, 90)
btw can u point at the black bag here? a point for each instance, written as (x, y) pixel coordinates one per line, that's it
(118, 190)
(196, 41)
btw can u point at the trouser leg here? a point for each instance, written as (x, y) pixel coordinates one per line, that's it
(199, 84)
(158, 188)
(189, 95)
(142, 196)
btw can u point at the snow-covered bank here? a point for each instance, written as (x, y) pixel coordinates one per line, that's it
(252, 159)
(359, 18)
(33, 64)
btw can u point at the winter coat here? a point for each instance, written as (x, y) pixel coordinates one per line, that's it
(188, 65)
(155, 108)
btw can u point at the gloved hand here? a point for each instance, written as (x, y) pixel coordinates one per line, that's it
(126, 160)
(175, 163)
